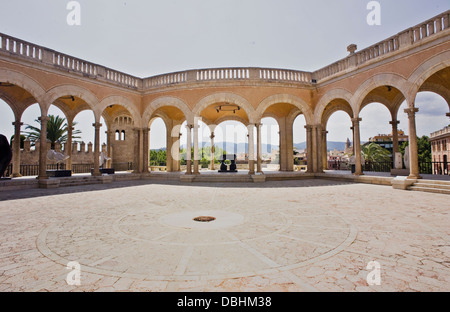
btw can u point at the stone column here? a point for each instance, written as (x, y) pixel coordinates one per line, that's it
(145, 148)
(319, 141)
(43, 149)
(314, 140)
(357, 146)
(137, 150)
(196, 156)
(251, 149)
(16, 149)
(413, 149)
(109, 139)
(309, 148)
(188, 149)
(69, 144)
(97, 126)
(395, 147)
(324, 150)
(258, 148)
(212, 151)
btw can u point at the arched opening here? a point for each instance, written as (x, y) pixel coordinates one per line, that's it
(7, 129)
(340, 147)
(377, 138)
(158, 145)
(231, 139)
(6, 120)
(118, 139)
(284, 114)
(433, 133)
(18, 99)
(336, 143)
(167, 129)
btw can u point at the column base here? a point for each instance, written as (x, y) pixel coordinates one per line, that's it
(17, 175)
(251, 167)
(188, 167)
(414, 177)
(196, 170)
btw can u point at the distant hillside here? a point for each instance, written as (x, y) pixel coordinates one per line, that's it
(340, 146)
(266, 148)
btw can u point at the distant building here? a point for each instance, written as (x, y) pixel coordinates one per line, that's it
(386, 140)
(440, 146)
(348, 147)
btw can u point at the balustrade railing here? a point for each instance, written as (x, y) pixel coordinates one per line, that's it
(406, 38)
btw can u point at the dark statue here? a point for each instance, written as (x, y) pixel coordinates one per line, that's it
(5, 154)
(224, 167)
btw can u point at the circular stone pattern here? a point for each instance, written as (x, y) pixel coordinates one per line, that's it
(155, 242)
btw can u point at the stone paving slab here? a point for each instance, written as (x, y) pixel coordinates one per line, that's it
(303, 235)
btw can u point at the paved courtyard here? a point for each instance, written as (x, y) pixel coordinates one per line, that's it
(306, 235)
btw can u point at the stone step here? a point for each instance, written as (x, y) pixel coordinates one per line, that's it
(214, 178)
(433, 185)
(430, 189)
(436, 182)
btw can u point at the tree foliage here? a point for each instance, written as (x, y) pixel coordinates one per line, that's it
(57, 131)
(423, 148)
(373, 152)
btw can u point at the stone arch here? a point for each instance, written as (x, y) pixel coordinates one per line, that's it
(337, 107)
(73, 90)
(165, 101)
(425, 71)
(12, 105)
(23, 81)
(225, 97)
(118, 100)
(328, 97)
(379, 80)
(285, 98)
(233, 118)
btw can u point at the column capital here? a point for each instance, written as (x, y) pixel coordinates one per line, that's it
(96, 125)
(189, 126)
(448, 114)
(44, 118)
(308, 128)
(394, 122)
(411, 111)
(212, 136)
(17, 123)
(356, 120)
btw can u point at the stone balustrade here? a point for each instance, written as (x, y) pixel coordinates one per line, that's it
(446, 130)
(403, 39)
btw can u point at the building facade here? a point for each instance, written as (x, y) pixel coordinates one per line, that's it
(440, 150)
(389, 72)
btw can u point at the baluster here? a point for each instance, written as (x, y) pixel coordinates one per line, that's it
(446, 21)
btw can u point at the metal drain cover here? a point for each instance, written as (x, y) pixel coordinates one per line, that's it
(204, 219)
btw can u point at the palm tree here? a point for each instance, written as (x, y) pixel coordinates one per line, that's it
(57, 131)
(373, 152)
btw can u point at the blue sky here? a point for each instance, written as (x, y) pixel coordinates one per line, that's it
(146, 38)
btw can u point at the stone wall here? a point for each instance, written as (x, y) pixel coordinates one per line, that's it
(81, 154)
